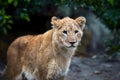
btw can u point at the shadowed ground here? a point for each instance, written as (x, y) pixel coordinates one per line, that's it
(93, 69)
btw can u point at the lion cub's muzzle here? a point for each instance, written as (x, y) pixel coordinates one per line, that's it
(72, 44)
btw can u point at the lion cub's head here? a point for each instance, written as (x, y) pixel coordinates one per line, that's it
(68, 32)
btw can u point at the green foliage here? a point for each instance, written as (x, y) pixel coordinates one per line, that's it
(7, 19)
(108, 10)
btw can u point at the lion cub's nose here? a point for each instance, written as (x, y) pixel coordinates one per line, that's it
(72, 43)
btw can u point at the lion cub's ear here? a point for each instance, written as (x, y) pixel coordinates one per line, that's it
(81, 21)
(55, 22)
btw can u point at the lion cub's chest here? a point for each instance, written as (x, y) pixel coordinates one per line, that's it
(57, 68)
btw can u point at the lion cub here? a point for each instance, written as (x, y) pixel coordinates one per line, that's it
(46, 56)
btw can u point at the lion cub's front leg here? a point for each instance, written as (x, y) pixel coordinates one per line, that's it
(55, 72)
(52, 71)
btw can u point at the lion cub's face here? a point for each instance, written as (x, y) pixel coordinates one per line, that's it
(68, 31)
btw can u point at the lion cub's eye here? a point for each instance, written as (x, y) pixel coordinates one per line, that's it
(76, 31)
(64, 31)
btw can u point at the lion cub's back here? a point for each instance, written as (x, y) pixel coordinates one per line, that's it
(18, 46)
(20, 43)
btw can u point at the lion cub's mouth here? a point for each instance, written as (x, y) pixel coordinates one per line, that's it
(71, 46)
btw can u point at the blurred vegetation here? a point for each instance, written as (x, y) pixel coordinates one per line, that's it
(113, 45)
(107, 10)
(7, 16)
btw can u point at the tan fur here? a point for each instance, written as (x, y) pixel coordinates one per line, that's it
(46, 56)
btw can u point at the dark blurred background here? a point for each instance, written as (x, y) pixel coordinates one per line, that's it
(101, 36)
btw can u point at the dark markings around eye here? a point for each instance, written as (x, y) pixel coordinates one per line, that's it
(76, 31)
(64, 31)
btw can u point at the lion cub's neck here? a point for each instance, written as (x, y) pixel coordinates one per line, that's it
(64, 52)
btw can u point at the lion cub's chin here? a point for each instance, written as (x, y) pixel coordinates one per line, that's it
(71, 47)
